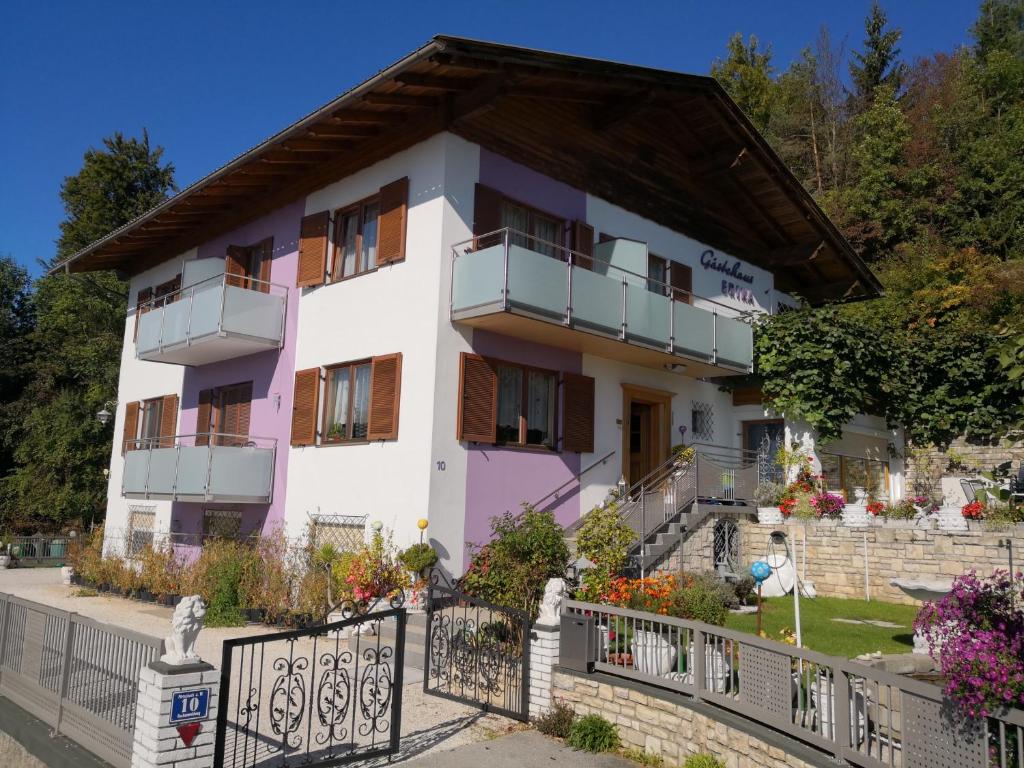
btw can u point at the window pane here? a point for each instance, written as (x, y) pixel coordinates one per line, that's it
(368, 256)
(151, 413)
(546, 231)
(657, 274)
(336, 427)
(830, 468)
(510, 403)
(876, 483)
(856, 476)
(517, 218)
(348, 245)
(540, 415)
(361, 402)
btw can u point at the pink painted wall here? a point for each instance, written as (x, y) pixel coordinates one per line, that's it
(272, 373)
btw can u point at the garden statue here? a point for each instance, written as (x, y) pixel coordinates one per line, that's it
(180, 645)
(550, 604)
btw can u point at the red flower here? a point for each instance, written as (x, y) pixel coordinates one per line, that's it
(974, 511)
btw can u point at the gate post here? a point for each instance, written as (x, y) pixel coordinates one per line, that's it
(542, 650)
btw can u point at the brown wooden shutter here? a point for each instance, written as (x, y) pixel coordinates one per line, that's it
(266, 259)
(313, 249)
(304, 406)
(577, 413)
(204, 417)
(583, 239)
(236, 265)
(168, 421)
(141, 298)
(486, 213)
(478, 400)
(680, 277)
(394, 200)
(385, 393)
(131, 427)
(234, 411)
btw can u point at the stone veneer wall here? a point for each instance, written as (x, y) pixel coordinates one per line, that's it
(927, 465)
(667, 727)
(835, 553)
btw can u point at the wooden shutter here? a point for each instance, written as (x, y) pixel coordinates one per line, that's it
(304, 406)
(583, 240)
(266, 259)
(234, 411)
(236, 265)
(313, 249)
(141, 298)
(680, 277)
(394, 199)
(131, 427)
(486, 212)
(385, 393)
(204, 417)
(168, 421)
(577, 413)
(478, 400)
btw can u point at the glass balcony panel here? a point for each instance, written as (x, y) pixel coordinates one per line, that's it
(253, 313)
(192, 470)
(630, 256)
(205, 309)
(647, 316)
(537, 283)
(694, 331)
(735, 342)
(135, 465)
(161, 471)
(596, 301)
(241, 472)
(478, 278)
(175, 328)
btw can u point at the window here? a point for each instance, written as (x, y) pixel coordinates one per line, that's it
(532, 229)
(140, 528)
(844, 474)
(702, 421)
(222, 523)
(355, 249)
(231, 412)
(249, 266)
(526, 405)
(657, 274)
(167, 293)
(346, 533)
(347, 403)
(152, 416)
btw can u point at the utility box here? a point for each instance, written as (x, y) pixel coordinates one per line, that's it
(577, 648)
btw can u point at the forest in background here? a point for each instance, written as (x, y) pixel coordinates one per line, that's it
(920, 164)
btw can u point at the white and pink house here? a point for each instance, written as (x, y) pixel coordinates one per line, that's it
(484, 275)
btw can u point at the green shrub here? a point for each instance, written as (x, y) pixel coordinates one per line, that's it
(513, 568)
(218, 576)
(605, 540)
(1003, 517)
(418, 557)
(557, 721)
(703, 760)
(700, 599)
(644, 758)
(592, 733)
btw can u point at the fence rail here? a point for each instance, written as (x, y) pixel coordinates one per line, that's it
(40, 550)
(77, 675)
(863, 715)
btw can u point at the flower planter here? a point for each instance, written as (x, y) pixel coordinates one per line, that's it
(855, 516)
(823, 701)
(67, 574)
(769, 516)
(5, 561)
(172, 600)
(653, 654)
(255, 615)
(952, 519)
(621, 659)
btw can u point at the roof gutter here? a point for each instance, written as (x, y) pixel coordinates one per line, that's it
(434, 46)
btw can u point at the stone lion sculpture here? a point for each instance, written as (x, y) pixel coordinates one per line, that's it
(180, 645)
(550, 604)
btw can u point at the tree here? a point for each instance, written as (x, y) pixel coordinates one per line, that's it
(59, 449)
(16, 320)
(1000, 27)
(746, 75)
(879, 63)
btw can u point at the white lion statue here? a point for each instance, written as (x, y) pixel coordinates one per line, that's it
(180, 645)
(550, 604)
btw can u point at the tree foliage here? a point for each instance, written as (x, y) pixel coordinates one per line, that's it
(70, 347)
(879, 63)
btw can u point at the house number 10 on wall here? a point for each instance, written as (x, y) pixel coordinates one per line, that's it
(441, 466)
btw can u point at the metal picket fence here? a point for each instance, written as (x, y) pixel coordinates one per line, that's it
(77, 675)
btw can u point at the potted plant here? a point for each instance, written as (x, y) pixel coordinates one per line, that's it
(768, 496)
(418, 560)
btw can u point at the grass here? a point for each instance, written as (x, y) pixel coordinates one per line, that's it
(836, 638)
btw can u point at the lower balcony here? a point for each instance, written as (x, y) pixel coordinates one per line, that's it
(202, 468)
(513, 284)
(220, 318)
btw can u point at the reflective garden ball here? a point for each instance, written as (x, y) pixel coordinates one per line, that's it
(422, 523)
(760, 570)
(377, 525)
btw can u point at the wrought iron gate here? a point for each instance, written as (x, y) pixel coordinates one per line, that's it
(327, 695)
(477, 653)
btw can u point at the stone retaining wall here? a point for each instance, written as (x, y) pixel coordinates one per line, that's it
(836, 554)
(661, 726)
(928, 464)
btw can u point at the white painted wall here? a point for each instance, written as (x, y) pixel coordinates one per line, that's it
(140, 380)
(394, 309)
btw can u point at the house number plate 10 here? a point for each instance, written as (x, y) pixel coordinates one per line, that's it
(190, 705)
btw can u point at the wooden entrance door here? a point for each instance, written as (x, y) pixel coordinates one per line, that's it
(641, 453)
(646, 423)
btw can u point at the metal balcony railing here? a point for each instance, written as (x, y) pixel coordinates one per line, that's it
(215, 319)
(607, 294)
(203, 467)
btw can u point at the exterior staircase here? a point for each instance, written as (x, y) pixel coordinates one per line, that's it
(415, 637)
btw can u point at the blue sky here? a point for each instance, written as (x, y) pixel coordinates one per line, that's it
(211, 79)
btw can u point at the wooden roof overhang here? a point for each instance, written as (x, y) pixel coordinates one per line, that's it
(668, 146)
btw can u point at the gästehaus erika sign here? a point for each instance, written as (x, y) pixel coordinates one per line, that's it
(733, 270)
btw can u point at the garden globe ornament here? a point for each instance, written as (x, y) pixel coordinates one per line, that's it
(422, 524)
(377, 525)
(760, 570)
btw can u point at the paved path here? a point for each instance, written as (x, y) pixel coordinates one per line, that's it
(428, 723)
(526, 749)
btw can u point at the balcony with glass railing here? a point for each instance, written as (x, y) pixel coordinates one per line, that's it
(604, 304)
(203, 467)
(219, 317)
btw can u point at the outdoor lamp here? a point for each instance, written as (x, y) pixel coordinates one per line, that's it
(581, 564)
(103, 416)
(622, 486)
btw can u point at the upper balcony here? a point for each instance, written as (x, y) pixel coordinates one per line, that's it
(214, 317)
(604, 304)
(205, 467)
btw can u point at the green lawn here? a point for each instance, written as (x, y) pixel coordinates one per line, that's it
(832, 637)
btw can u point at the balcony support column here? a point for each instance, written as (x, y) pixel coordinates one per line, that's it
(223, 299)
(671, 323)
(622, 333)
(568, 290)
(714, 337)
(504, 277)
(191, 306)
